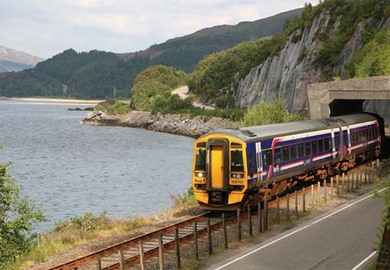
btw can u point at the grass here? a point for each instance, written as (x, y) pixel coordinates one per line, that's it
(80, 230)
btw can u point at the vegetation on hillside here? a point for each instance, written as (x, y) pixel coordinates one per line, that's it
(17, 218)
(70, 74)
(102, 75)
(153, 88)
(269, 113)
(374, 58)
(215, 75)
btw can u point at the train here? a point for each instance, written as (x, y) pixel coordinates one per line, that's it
(238, 167)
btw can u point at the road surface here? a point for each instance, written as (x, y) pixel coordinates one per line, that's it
(339, 239)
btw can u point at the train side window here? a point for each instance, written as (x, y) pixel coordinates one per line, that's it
(321, 146)
(251, 158)
(301, 150)
(286, 153)
(366, 134)
(278, 155)
(314, 147)
(375, 133)
(307, 149)
(268, 157)
(370, 134)
(353, 138)
(327, 144)
(359, 136)
(294, 151)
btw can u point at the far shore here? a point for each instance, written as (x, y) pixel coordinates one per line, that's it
(58, 101)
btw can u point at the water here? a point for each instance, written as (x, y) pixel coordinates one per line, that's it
(70, 169)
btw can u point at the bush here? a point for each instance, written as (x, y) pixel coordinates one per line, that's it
(113, 107)
(17, 218)
(269, 113)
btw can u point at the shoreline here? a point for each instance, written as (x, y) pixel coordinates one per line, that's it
(178, 124)
(56, 101)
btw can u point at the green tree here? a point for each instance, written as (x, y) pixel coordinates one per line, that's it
(269, 113)
(17, 217)
(153, 87)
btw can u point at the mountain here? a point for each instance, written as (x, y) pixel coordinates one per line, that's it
(185, 52)
(13, 60)
(99, 74)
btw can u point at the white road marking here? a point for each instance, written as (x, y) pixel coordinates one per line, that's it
(364, 261)
(298, 230)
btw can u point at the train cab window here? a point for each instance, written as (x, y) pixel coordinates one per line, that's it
(294, 152)
(327, 144)
(268, 157)
(301, 150)
(314, 147)
(200, 159)
(278, 155)
(307, 149)
(237, 163)
(286, 153)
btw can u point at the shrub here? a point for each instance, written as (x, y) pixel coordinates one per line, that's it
(269, 113)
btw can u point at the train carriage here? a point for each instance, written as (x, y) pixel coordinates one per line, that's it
(236, 167)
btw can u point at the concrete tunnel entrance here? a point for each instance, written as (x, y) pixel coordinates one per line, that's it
(345, 97)
(345, 106)
(348, 97)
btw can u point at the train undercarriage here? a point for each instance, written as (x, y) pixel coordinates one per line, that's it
(279, 186)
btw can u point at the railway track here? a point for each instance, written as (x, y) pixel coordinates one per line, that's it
(137, 250)
(167, 240)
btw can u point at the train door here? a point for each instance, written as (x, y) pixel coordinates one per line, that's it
(333, 142)
(259, 164)
(218, 164)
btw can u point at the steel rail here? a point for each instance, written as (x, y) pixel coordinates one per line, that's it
(104, 252)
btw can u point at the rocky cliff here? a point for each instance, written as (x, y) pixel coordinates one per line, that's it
(288, 73)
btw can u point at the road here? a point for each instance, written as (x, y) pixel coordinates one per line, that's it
(339, 239)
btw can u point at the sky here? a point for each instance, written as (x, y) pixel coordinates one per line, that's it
(45, 28)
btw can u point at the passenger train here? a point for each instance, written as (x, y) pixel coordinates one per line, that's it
(233, 168)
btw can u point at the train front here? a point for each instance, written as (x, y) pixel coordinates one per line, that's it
(219, 172)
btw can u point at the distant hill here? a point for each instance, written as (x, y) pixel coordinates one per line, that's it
(185, 52)
(98, 74)
(13, 60)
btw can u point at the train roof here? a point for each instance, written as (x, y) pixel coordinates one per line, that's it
(280, 129)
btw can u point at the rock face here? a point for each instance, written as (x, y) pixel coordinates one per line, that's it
(287, 74)
(171, 123)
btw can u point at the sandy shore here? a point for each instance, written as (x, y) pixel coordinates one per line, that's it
(58, 101)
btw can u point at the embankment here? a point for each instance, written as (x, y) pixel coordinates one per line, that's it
(186, 125)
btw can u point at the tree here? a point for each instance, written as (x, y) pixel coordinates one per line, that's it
(17, 217)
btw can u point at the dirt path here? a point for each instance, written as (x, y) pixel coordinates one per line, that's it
(183, 93)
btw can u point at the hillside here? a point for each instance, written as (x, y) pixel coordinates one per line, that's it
(329, 41)
(185, 52)
(99, 74)
(14, 60)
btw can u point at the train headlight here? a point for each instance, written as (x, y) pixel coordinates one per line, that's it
(200, 174)
(237, 175)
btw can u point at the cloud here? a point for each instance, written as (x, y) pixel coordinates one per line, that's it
(45, 28)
